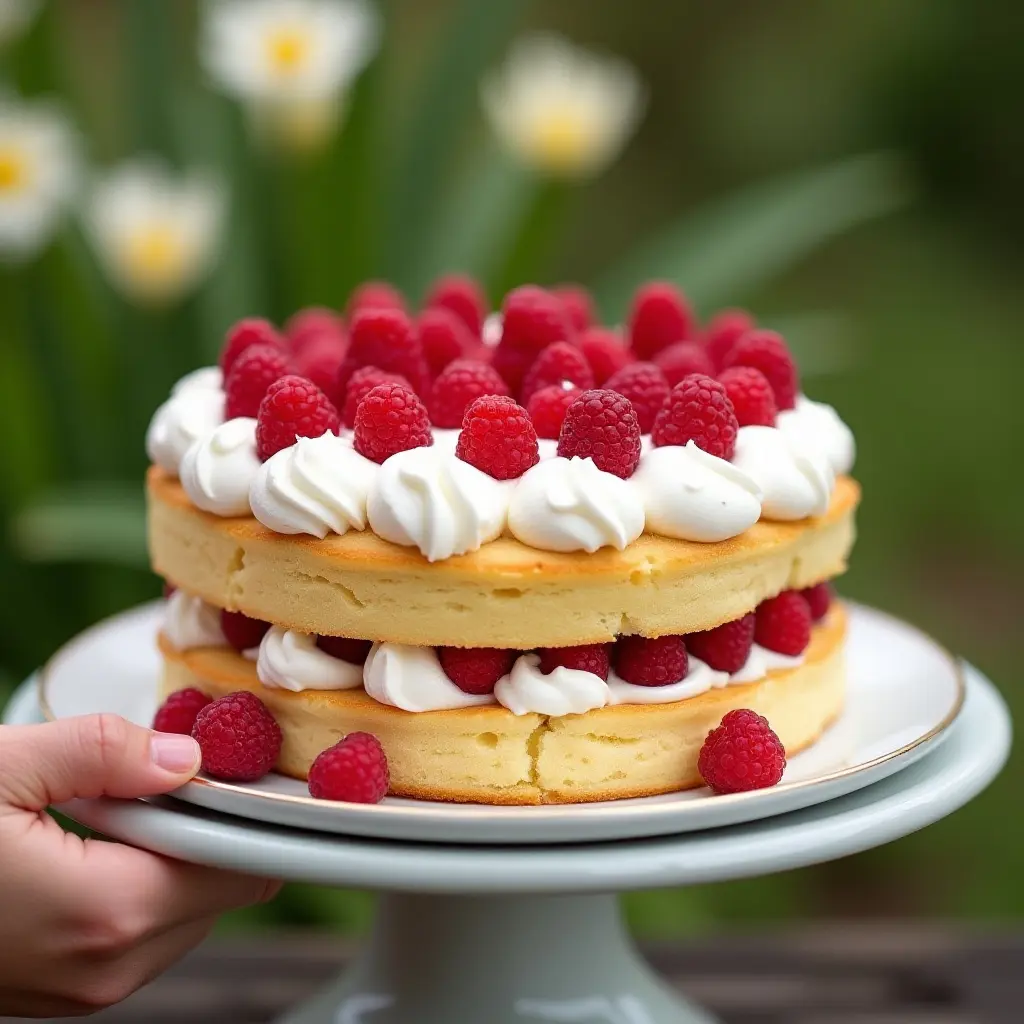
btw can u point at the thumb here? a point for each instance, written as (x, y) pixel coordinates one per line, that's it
(90, 756)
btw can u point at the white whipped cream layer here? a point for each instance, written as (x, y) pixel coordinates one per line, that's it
(189, 414)
(818, 424)
(570, 505)
(411, 678)
(217, 470)
(429, 499)
(290, 660)
(190, 622)
(205, 378)
(317, 486)
(564, 691)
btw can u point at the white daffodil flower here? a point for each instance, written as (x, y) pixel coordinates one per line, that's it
(156, 233)
(561, 110)
(15, 18)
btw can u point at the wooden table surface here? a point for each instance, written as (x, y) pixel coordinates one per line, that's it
(878, 973)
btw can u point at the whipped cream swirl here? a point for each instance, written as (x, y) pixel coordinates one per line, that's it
(290, 660)
(429, 499)
(761, 661)
(571, 505)
(564, 691)
(190, 622)
(692, 495)
(189, 414)
(819, 424)
(795, 477)
(205, 378)
(411, 678)
(700, 677)
(317, 486)
(217, 469)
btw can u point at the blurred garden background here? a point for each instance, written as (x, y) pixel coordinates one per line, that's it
(850, 172)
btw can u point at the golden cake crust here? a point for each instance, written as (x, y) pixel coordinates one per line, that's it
(506, 594)
(488, 755)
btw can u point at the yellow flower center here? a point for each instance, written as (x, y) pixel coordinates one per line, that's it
(563, 141)
(287, 50)
(13, 169)
(155, 257)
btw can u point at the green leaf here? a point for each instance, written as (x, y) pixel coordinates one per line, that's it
(92, 523)
(726, 249)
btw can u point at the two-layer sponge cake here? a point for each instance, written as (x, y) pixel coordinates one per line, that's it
(537, 559)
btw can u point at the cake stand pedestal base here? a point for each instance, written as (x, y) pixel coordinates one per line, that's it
(498, 960)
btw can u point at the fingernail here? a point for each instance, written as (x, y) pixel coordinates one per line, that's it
(174, 753)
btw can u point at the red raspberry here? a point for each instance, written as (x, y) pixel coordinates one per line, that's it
(458, 387)
(767, 352)
(742, 754)
(391, 419)
(726, 647)
(698, 410)
(604, 351)
(385, 338)
(557, 363)
(240, 631)
(784, 623)
(476, 669)
(319, 360)
(532, 319)
(245, 334)
(819, 599)
(250, 376)
(293, 407)
(178, 712)
(585, 658)
(345, 648)
(238, 737)
(498, 438)
(681, 359)
(660, 317)
(462, 296)
(547, 408)
(578, 303)
(751, 395)
(651, 662)
(645, 386)
(602, 425)
(443, 336)
(354, 770)
(313, 325)
(723, 331)
(360, 384)
(374, 295)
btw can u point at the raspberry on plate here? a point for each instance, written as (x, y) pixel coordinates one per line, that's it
(238, 736)
(742, 754)
(559, 362)
(462, 296)
(476, 669)
(360, 384)
(723, 331)
(766, 351)
(498, 438)
(240, 631)
(578, 303)
(443, 336)
(390, 419)
(784, 623)
(819, 599)
(602, 425)
(354, 770)
(243, 335)
(345, 648)
(681, 359)
(645, 386)
(725, 648)
(532, 319)
(651, 662)
(250, 376)
(461, 383)
(604, 351)
(547, 408)
(385, 338)
(698, 409)
(592, 658)
(178, 712)
(660, 317)
(751, 395)
(293, 407)
(374, 295)
(312, 326)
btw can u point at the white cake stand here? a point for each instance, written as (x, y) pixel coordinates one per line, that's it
(505, 934)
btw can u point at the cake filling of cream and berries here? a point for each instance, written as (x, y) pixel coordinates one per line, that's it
(533, 558)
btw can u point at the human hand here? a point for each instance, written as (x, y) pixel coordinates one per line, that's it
(83, 923)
